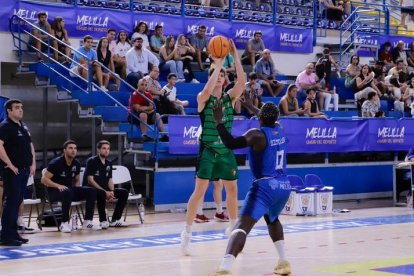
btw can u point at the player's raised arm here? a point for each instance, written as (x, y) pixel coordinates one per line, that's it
(204, 95)
(238, 88)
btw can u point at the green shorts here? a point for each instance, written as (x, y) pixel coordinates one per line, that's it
(211, 165)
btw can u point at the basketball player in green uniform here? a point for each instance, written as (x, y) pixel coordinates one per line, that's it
(215, 160)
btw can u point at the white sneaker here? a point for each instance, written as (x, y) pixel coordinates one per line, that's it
(104, 224)
(103, 88)
(282, 268)
(194, 81)
(65, 227)
(185, 243)
(118, 223)
(88, 225)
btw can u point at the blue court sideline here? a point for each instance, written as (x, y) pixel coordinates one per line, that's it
(174, 239)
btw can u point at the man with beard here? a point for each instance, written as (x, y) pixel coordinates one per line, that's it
(63, 182)
(137, 61)
(98, 174)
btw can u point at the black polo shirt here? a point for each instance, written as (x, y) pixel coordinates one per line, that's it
(62, 173)
(101, 172)
(17, 143)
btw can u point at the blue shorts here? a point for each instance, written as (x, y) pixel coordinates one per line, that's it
(266, 196)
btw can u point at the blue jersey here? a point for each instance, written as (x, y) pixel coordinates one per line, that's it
(271, 162)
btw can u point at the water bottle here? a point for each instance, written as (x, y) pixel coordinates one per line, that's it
(141, 210)
(74, 220)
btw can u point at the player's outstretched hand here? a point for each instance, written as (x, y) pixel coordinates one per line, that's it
(218, 112)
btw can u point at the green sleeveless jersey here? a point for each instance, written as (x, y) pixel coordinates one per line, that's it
(209, 135)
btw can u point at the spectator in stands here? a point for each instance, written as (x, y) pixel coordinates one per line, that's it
(397, 77)
(105, 57)
(170, 59)
(405, 102)
(366, 85)
(333, 12)
(64, 185)
(122, 46)
(385, 55)
(38, 37)
(352, 72)
(141, 30)
(253, 91)
(266, 72)
(399, 53)
(370, 107)
(110, 35)
(324, 67)
(153, 86)
(407, 8)
(379, 79)
(170, 91)
(157, 39)
(311, 106)
(138, 59)
(199, 42)
(144, 110)
(307, 79)
(98, 175)
(59, 31)
(410, 55)
(288, 104)
(185, 53)
(84, 59)
(254, 49)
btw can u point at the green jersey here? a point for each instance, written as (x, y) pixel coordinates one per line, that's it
(209, 135)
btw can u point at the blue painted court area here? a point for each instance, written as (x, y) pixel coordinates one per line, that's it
(174, 239)
(401, 269)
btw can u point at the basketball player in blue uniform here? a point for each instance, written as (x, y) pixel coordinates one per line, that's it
(270, 189)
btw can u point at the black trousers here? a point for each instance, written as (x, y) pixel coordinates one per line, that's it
(74, 194)
(14, 187)
(122, 197)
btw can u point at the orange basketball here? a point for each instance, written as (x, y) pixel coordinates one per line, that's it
(218, 46)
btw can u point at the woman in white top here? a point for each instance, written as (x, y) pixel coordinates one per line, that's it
(122, 47)
(141, 30)
(170, 60)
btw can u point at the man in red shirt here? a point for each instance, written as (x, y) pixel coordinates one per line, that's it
(140, 107)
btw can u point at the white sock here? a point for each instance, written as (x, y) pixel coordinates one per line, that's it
(219, 208)
(280, 248)
(20, 221)
(227, 262)
(188, 229)
(232, 223)
(200, 209)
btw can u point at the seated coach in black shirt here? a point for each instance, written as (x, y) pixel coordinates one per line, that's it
(98, 174)
(62, 180)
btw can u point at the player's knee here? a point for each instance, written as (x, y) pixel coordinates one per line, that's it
(238, 231)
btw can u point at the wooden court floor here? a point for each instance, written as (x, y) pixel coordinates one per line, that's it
(367, 241)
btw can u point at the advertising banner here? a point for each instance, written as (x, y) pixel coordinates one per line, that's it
(242, 32)
(292, 40)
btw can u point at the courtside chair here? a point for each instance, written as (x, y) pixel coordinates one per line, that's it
(121, 175)
(323, 194)
(78, 205)
(33, 201)
(302, 198)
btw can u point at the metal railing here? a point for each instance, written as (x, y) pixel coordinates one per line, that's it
(18, 29)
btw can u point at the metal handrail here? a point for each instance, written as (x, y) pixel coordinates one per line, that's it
(89, 81)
